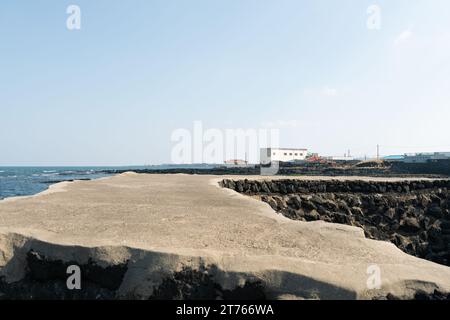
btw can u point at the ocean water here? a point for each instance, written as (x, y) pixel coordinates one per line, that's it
(24, 181)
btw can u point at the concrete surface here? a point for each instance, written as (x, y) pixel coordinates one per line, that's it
(164, 222)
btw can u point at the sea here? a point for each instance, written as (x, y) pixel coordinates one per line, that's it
(25, 181)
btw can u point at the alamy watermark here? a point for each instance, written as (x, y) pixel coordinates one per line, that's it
(216, 146)
(74, 280)
(374, 279)
(374, 17)
(73, 21)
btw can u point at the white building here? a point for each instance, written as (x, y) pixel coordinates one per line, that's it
(268, 155)
(425, 157)
(340, 158)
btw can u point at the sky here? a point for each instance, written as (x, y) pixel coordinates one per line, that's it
(115, 91)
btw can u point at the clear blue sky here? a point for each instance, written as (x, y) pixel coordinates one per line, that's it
(113, 92)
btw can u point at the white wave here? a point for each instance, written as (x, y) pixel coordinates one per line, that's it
(48, 174)
(44, 174)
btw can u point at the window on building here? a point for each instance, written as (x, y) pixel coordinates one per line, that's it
(290, 154)
(285, 154)
(296, 154)
(274, 153)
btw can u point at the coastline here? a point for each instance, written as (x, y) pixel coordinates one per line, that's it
(59, 186)
(52, 188)
(172, 222)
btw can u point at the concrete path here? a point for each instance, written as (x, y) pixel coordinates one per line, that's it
(191, 216)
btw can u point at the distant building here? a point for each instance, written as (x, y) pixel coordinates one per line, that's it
(426, 157)
(269, 155)
(340, 158)
(313, 157)
(418, 157)
(394, 158)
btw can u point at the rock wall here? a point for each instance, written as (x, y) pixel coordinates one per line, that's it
(435, 169)
(412, 215)
(432, 167)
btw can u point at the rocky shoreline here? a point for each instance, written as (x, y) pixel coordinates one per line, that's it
(439, 169)
(412, 215)
(285, 170)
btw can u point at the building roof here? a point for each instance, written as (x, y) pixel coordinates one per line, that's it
(394, 157)
(287, 149)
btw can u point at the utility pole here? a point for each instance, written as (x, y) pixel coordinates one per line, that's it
(378, 152)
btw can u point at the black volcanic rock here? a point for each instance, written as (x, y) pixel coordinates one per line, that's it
(412, 215)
